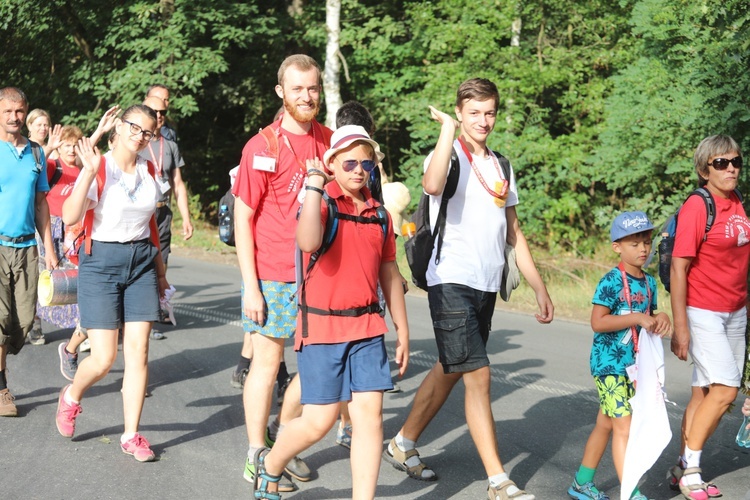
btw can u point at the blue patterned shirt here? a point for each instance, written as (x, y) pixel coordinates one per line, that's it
(609, 355)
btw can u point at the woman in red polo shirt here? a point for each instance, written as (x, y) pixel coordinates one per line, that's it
(709, 297)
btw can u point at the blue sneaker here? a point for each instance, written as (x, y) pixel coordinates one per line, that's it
(586, 491)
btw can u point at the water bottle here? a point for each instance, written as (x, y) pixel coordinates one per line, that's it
(408, 229)
(743, 436)
(225, 224)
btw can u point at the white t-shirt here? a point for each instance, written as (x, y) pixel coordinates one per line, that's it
(128, 202)
(473, 251)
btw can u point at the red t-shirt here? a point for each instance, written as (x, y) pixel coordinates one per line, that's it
(273, 196)
(346, 276)
(717, 278)
(62, 189)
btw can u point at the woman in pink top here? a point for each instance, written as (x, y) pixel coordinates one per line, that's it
(709, 297)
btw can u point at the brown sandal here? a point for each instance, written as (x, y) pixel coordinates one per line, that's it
(398, 460)
(501, 492)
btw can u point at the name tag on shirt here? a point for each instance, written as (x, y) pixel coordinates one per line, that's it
(264, 163)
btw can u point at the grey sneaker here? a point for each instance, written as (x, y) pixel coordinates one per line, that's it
(68, 362)
(85, 346)
(285, 485)
(36, 337)
(238, 378)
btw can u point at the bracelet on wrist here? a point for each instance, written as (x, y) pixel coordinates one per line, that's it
(315, 171)
(316, 189)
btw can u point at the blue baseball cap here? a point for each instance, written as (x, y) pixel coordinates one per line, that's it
(628, 223)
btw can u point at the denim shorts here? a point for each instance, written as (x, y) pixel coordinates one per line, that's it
(117, 284)
(461, 319)
(329, 373)
(281, 310)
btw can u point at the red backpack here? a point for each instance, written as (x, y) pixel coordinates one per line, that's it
(88, 218)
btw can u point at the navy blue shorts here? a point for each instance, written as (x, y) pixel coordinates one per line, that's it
(461, 319)
(117, 284)
(329, 373)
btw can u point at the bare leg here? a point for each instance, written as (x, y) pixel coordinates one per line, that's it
(135, 377)
(709, 413)
(620, 435)
(292, 408)
(696, 398)
(96, 366)
(247, 346)
(432, 393)
(301, 433)
(258, 390)
(480, 420)
(3, 356)
(367, 442)
(597, 442)
(75, 340)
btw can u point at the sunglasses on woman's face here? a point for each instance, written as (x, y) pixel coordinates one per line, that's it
(723, 163)
(349, 165)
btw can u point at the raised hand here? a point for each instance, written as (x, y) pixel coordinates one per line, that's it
(55, 137)
(89, 155)
(442, 118)
(109, 119)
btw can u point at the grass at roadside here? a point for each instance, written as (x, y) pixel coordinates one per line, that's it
(571, 281)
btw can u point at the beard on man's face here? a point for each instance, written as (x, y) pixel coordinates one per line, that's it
(302, 116)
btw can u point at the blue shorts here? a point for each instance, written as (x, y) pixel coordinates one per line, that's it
(329, 373)
(281, 310)
(461, 319)
(117, 284)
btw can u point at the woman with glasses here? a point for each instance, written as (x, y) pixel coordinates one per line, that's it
(121, 274)
(709, 297)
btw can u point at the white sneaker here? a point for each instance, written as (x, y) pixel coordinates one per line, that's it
(85, 346)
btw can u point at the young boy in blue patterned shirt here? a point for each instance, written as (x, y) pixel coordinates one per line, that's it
(624, 301)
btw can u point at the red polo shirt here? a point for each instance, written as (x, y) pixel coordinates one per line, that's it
(346, 276)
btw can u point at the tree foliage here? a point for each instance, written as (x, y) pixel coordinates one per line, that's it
(603, 101)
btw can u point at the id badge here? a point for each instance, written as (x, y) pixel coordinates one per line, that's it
(164, 186)
(632, 372)
(264, 163)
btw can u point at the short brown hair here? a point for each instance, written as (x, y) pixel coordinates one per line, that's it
(14, 94)
(479, 89)
(709, 147)
(69, 132)
(300, 61)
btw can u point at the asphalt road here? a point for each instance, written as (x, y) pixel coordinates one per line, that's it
(543, 400)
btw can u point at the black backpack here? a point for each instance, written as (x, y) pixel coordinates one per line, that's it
(419, 247)
(669, 230)
(226, 218)
(329, 234)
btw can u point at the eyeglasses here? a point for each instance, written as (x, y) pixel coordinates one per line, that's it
(138, 130)
(162, 112)
(349, 165)
(723, 163)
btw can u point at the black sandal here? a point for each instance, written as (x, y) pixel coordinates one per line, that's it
(263, 478)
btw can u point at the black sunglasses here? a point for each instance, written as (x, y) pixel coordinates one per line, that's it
(723, 163)
(162, 112)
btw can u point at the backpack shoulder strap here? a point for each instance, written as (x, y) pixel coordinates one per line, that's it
(57, 175)
(504, 164)
(88, 217)
(36, 152)
(271, 135)
(708, 201)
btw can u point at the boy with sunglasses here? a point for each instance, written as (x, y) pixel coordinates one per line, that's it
(340, 333)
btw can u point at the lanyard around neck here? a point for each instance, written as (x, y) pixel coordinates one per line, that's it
(291, 149)
(476, 170)
(628, 300)
(160, 161)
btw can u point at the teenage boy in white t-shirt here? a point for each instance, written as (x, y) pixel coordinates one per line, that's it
(481, 219)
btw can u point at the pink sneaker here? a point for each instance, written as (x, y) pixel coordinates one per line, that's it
(66, 414)
(139, 448)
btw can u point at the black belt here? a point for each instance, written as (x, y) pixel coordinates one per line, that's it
(353, 312)
(20, 239)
